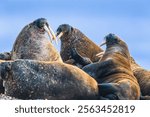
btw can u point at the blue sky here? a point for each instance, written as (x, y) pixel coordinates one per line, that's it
(129, 19)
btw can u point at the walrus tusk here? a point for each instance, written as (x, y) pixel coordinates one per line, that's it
(49, 33)
(100, 54)
(103, 43)
(53, 35)
(59, 35)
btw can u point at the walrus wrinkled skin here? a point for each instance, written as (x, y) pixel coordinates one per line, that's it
(31, 79)
(32, 43)
(113, 72)
(73, 38)
(143, 77)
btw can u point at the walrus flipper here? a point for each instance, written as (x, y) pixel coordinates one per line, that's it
(78, 58)
(4, 69)
(91, 68)
(108, 91)
(5, 56)
(145, 97)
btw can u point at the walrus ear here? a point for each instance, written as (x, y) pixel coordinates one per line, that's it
(5, 67)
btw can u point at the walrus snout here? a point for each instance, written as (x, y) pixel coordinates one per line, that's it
(44, 26)
(59, 34)
(107, 38)
(62, 29)
(110, 39)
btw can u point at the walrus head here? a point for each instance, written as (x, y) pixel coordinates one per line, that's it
(43, 25)
(111, 39)
(116, 45)
(63, 29)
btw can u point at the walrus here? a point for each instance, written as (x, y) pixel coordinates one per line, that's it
(5, 56)
(143, 77)
(73, 38)
(33, 44)
(32, 79)
(113, 72)
(1, 81)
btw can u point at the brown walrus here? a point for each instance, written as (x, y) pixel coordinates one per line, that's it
(143, 77)
(32, 43)
(31, 79)
(113, 72)
(73, 38)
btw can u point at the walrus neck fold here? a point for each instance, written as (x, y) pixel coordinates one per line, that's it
(134, 65)
(116, 48)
